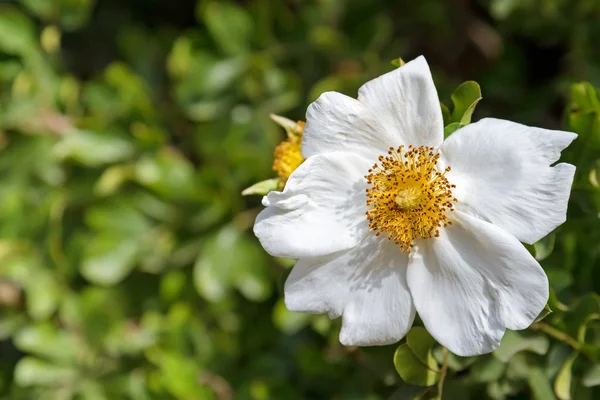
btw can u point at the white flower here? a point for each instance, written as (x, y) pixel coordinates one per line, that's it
(435, 227)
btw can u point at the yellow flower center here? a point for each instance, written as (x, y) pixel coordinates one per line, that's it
(287, 155)
(409, 197)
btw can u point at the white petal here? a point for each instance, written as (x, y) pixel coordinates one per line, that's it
(366, 285)
(335, 122)
(321, 210)
(503, 175)
(407, 103)
(472, 283)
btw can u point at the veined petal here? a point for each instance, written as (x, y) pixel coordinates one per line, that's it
(336, 122)
(400, 107)
(366, 286)
(321, 210)
(472, 283)
(502, 174)
(407, 103)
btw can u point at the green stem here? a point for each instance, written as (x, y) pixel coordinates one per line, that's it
(443, 372)
(556, 334)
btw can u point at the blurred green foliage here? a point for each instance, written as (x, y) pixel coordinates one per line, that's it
(128, 130)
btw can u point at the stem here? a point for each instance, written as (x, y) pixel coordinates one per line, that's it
(556, 334)
(443, 373)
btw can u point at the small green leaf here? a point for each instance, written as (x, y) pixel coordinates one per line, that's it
(32, 371)
(411, 369)
(262, 188)
(584, 97)
(112, 179)
(398, 62)
(230, 25)
(252, 279)
(445, 114)
(487, 370)
(109, 259)
(93, 149)
(451, 128)
(229, 259)
(545, 312)
(16, 31)
(288, 321)
(514, 342)
(465, 99)
(577, 318)
(587, 125)
(562, 385)
(43, 294)
(544, 247)
(408, 392)
(583, 328)
(539, 385)
(168, 173)
(45, 340)
(421, 343)
(592, 377)
(554, 303)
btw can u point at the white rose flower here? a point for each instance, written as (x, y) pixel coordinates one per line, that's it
(433, 227)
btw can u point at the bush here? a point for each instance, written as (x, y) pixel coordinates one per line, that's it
(128, 129)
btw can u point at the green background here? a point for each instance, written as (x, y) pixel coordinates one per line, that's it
(128, 129)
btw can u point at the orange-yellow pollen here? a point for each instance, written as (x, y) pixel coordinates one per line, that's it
(409, 197)
(287, 156)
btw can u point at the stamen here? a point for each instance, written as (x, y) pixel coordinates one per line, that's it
(409, 197)
(287, 155)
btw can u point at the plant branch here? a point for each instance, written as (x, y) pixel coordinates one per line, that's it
(556, 334)
(443, 372)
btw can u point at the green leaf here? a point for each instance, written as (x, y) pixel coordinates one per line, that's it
(108, 259)
(451, 128)
(577, 319)
(252, 280)
(287, 321)
(583, 328)
(587, 125)
(112, 179)
(398, 62)
(45, 340)
(514, 342)
(407, 392)
(17, 32)
(411, 369)
(229, 259)
(544, 247)
(93, 149)
(539, 384)
(31, 371)
(92, 390)
(487, 370)
(584, 97)
(10, 322)
(168, 173)
(455, 363)
(230, 25)
(42, 8)
(421, 343)
(562, 385)
(555, 304)
(117, 217)
(43, 294)
(445, 114)
(545, 312)
(263, 187)
(592, 377)
(465, 99)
